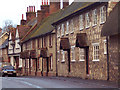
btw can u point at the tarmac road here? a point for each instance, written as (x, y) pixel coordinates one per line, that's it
(53, 82)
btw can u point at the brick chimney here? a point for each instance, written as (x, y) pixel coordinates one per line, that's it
(65, 3)
(23, 22)
(30, 14)
(44, 12)
(54, 6)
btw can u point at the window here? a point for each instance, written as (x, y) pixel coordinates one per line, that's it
(38, 43)
(31, 63)
(95, 52)
(67, 27)
(102, 14)
(58, 31)
(62, 30)
(87, 18)
(51, 62)
(94, 15)
(63, 56)
(33, 44)
(28, 63)
(105, 47)
(73, 53)
(58, 55)
(72, 26)
(81, 22)
(50, 40)
(44, 40)
(81, 54)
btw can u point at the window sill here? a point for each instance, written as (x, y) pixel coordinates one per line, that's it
(58, 37)
(96, 60)
(63, 61)
(50, 46)
(81, 60)
(81, 29)
(62, 35)
(67, 33)
(102, 23)
(105, 53)
(87, 27)
(73, 61)
(94, 25)
(71, 32)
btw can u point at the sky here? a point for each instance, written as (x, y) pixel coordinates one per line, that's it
(13, 10)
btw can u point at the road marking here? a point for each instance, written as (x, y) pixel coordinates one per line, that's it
(31, 84)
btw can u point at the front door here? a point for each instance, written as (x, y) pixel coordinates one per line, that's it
(68, 60)
(87, 60)
(47, 66)
(35, 67)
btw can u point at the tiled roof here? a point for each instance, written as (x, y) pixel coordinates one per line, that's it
(4, 44)
(22, 30)
(32, 22)
(46, 25)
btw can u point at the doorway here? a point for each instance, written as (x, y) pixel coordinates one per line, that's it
(87, 60)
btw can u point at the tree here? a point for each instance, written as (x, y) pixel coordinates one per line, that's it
(8, 24)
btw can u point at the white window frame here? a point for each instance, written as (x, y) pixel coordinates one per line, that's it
(51, 60)
(58, 56)
(81, 54)
(94, 52)
(81, 22)
(102, 15)
(58, 31)
(87, 20)
(62, 31)
(94, 17)
(63, 56)
(67, 27)
(73, 53)
(105, 46)
(72, 26)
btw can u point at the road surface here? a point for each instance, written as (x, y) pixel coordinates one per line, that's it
(53, 82)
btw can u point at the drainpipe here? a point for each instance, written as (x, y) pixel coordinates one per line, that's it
(56, 49)
(107, 59)
(42, 58)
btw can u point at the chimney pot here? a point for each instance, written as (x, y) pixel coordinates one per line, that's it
(34, 8)
(27, 9)
(22, 16)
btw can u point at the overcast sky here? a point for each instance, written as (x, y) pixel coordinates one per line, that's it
(13, 9)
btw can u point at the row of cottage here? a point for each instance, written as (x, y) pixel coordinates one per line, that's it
(64, 42)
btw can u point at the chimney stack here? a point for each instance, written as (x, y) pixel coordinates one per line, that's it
(44, 12)
(65, 3)
(54, 6)
(23, 22)
(30, 14)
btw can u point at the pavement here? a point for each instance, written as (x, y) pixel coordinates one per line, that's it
(55, 82)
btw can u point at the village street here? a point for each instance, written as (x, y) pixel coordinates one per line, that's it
(53, 82)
